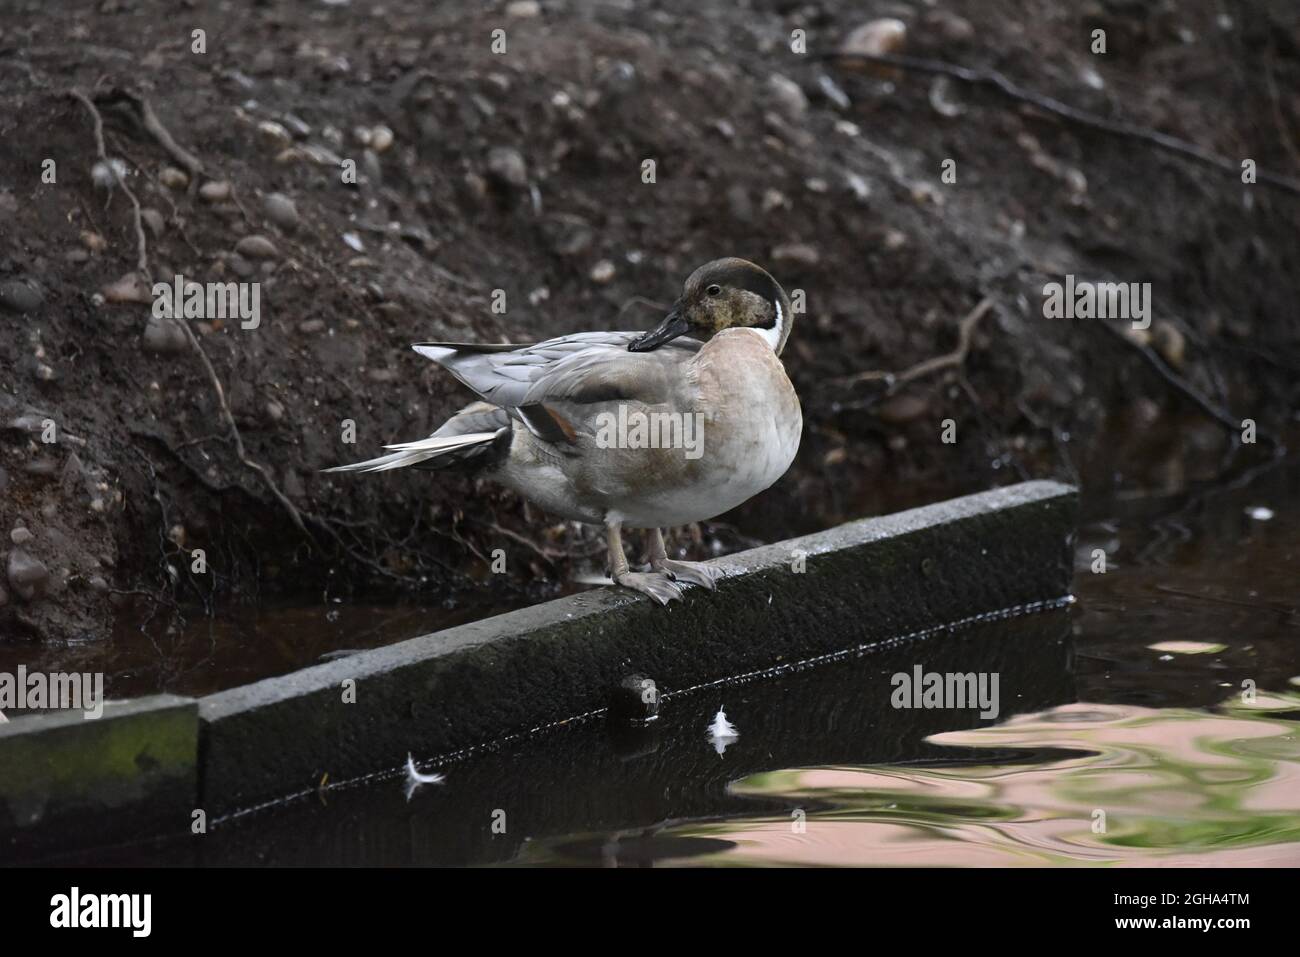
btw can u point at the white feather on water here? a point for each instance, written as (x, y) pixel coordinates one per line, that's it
(722, 732)
(415, 780)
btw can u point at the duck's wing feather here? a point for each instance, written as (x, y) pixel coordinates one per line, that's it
(583, 368)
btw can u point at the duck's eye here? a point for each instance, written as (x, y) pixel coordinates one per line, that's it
(714, 290)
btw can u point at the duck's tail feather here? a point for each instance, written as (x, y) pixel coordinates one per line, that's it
(455, 447)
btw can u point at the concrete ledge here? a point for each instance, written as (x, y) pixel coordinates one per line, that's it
(862, 583)
(66, 781)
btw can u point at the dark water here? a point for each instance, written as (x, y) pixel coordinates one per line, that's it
(1155, 722)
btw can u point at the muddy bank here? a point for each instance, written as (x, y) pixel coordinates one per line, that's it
(521, 171)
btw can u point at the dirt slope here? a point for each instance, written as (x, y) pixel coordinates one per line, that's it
(522, 171)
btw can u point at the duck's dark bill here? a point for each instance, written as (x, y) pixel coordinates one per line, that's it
(668, 330)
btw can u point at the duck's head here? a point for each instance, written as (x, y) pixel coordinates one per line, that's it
(724, 294)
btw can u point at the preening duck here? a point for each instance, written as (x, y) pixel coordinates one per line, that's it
(631, 430)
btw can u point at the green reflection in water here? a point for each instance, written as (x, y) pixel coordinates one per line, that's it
(1139, 786)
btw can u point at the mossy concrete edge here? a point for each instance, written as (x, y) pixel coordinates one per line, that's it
(68, 781)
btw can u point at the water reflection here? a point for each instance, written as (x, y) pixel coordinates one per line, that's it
(1143, 787)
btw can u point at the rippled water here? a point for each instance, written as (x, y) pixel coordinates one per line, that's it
(1140, 786)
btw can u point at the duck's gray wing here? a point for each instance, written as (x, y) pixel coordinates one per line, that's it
(583, 368)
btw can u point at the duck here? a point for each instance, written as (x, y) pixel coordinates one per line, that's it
(631, 430)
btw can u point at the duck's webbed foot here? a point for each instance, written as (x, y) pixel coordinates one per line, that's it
(659, 587)
(655, 584)
(697, 573)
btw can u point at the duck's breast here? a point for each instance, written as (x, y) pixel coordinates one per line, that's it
(753, 421)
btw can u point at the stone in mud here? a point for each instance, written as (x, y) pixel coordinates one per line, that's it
(951, 27)
(21, 536)
(154, 220)
(506, 165)
(93, 241)
(381, 139)
(240, 266)
(28, 576)
(256, 247)
(163, 336)
(787, 96)
(281, 210)
(883, 37)
(130, 288)
(902, 409)
(274, 134)
(174, 178)
(296, 125)
(43, 467)
(215, 191)
(796, 254)
(21, 295)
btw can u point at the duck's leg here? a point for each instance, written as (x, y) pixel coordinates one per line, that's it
(698, 573)
(658, 586)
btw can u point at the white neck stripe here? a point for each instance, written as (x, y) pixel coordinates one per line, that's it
(773, 336)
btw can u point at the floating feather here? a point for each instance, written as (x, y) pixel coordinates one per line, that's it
(722, 732)
(414, 779)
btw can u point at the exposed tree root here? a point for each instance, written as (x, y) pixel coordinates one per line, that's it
(142, 246)
(143, 114)
(152, 124)
(950, 360)
(979, 76)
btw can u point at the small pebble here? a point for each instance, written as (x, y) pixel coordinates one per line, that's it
(163, 336)
(130, 288)
(154, 220)
(240, 266)
(274, 133)
(20, 536)
(256, 247)
(281, 210)
(602, 272)
(174, 178)
(788, 97)
(28, 576)
(796, 254)
(215, 191)
(296, 125)
(21, 295)
(381, 139)
(876, 38)
(506, 165)
(93, 241)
